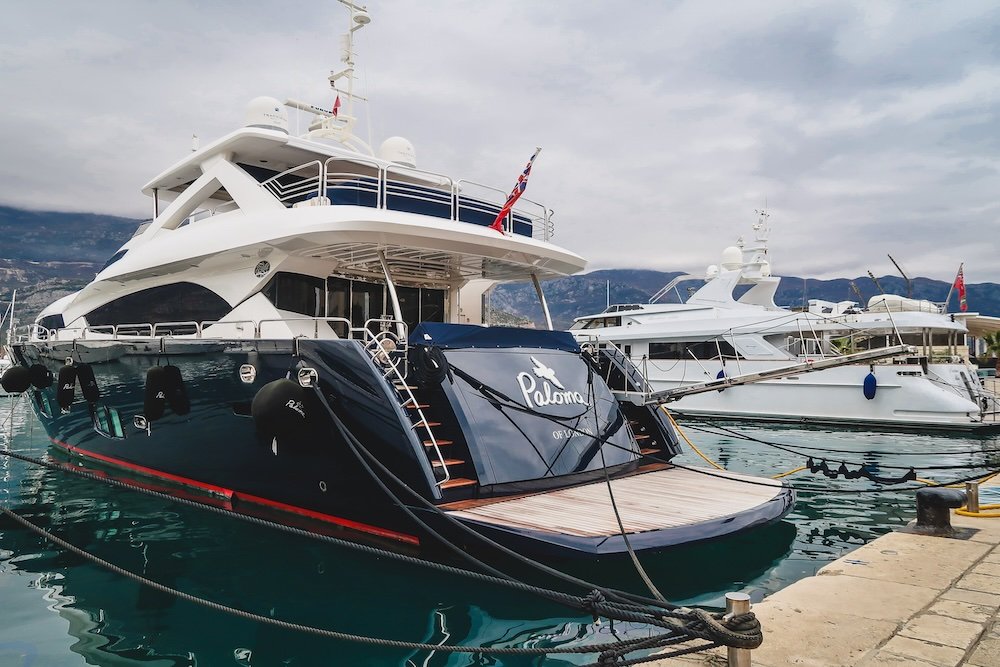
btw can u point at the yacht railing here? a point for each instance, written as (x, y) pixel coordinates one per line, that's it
(298, 183)
(316, 321)
(361, 182)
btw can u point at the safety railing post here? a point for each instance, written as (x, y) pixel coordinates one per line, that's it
(736, 604)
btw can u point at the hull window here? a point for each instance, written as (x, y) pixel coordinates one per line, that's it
(177, 302)
(706, 349)
(108, 422)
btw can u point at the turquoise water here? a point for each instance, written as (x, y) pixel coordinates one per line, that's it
(61, 610)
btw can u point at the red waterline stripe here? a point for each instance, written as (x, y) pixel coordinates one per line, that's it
(347, 523)
(229, 494)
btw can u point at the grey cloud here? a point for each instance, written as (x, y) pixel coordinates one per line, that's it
(868, 127)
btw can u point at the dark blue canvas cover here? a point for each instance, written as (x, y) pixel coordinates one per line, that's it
(459, 336)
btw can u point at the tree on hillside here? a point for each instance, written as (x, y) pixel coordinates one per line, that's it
(992, 341)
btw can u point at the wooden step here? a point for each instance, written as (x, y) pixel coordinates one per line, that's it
(641, 436)
(409, 405)
(426, 423)
(441, 443)
(648, 450)
(404, 386)
(437, 463)
(456, 482)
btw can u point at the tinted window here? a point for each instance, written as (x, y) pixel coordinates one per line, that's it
(700, 350)
(361, 301)
(178, 302)
(297, 293)
(114, 258)
(431, 305)
(52, 322)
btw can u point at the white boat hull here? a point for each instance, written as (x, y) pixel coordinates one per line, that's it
(904, 397)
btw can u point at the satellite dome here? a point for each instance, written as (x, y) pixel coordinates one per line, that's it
(711, 272)
(268, 113)
(732, 258)
(399, 151)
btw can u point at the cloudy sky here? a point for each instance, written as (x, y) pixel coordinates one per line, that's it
(868, 128)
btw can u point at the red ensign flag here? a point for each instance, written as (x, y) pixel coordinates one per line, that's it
(960, 286)
(519, 187)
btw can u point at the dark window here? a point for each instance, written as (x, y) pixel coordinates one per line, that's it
(338, 295)
(409, 305)
(367, 302)
(604, 322)
(177, 302)
(114, 258)
(54, 322)
(361, 301)
(296, 293)
(708, 349)
(108, 422)
(431, 305)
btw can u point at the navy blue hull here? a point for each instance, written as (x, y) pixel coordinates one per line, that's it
(490, 446)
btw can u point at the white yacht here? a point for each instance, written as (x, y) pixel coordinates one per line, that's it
(297, 331)
(731, 326)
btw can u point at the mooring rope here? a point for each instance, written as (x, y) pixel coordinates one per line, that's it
(613, 648)
(818, 490)
(712, 628)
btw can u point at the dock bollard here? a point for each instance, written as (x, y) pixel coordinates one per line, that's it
(972, 497)
(934, 507)
(736, 604)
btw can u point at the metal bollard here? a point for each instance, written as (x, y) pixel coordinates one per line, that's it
(972, 497)
(736, 604)
(934, 507)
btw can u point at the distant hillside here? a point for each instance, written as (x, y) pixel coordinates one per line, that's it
(46, 255)
(588, 293)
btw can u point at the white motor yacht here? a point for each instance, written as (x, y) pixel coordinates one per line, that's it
(731, 326)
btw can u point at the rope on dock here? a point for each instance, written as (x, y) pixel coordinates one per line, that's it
(964, 511)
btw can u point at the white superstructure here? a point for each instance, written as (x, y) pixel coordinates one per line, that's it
(731, 326)
(265, 234)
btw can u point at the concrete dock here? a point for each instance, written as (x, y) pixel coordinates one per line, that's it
(902, 599)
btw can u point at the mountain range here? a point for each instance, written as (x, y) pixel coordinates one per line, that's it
(48, 254)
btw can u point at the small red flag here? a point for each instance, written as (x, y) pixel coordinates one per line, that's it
(519, 187)
(960, 286)
(336, 106)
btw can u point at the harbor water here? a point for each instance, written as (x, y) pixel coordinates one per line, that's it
(62, 610)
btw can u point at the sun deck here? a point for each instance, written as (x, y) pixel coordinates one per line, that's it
(659, 507)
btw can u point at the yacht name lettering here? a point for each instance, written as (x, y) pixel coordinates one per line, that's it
(292, 404)
(539, 397)
(567, 433)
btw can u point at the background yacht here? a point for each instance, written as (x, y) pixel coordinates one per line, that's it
(731, 326)
(295, 331)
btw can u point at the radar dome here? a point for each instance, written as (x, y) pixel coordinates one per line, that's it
(268, 113)
(399, 151)
(711, 272)
(732, 258)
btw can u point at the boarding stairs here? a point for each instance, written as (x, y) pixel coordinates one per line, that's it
(429, 414)
(626, 380)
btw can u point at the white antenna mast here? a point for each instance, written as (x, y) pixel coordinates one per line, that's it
(334, 124)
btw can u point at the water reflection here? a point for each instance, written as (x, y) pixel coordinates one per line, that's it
(61, 608)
